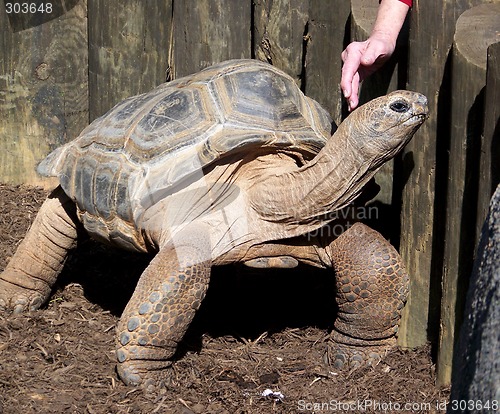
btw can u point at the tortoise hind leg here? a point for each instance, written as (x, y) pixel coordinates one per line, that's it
(163, 305)
(372, 287)
(27, 280)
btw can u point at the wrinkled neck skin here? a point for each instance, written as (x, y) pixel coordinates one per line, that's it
(303, 197)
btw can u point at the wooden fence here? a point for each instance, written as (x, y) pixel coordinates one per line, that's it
(60, 70)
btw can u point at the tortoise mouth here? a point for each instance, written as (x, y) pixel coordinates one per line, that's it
(422, 116)
(419, 117)
(415, 118)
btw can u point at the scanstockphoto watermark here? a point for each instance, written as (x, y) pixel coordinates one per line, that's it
(369, 406)
(390, 406)
(342, 220)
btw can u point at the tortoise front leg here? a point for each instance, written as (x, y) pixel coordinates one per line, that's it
(166, 298)
(372, 287)
(27, 280)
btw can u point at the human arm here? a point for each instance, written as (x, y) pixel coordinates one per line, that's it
(361, 59)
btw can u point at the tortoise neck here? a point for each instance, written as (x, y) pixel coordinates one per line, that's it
(304, 197)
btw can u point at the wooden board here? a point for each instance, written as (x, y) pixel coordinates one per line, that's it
(475, 30)
(43, 87)
(390, 77)
(207, 32)
(129, 46)
(424, 167)
(279, 30)
(393, 74)
(324, 42)
(489, 170)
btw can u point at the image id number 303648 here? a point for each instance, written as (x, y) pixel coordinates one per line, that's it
(28, 8)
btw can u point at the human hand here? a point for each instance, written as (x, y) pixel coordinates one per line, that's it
(361, 59)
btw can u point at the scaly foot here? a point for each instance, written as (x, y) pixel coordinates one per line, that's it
(16, 298)
(356, 353)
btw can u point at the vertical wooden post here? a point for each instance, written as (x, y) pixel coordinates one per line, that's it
(43, 86)
(393, 74)
(476, 28)
(207, 32)
(422, 216)
(476, 372)
(324, 43)
(129, 44)
(279, 30)
(489, 169)
(391, 77)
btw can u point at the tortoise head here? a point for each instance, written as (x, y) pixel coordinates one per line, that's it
(383, 126)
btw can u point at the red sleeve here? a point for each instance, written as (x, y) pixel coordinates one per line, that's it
(409, 3)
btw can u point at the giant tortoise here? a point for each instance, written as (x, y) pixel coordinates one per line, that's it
(231, 164)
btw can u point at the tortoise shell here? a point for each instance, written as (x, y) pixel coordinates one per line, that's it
(149, 143)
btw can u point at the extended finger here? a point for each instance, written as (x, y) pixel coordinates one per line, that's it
(354, 99)
(352, 62)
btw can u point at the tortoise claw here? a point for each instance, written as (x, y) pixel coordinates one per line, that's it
(17, 299)
(347, 357)
(346, 353)
(139, 373)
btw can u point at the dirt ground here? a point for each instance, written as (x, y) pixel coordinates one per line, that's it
(257, 333)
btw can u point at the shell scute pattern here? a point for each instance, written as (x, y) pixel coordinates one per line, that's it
(268, 99)
(109, 132)
(182, 118)
(107, 173)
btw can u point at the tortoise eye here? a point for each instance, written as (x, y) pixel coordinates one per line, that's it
(399, 106)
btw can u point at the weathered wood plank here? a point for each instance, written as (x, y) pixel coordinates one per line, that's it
(390, 77)
(489, 170)
(129, 45)
(476, 372)
(43, 87)
(207, 32)
(475, 30)
(325, 40)
(422, 217)
(279, 30)
(393, 74)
